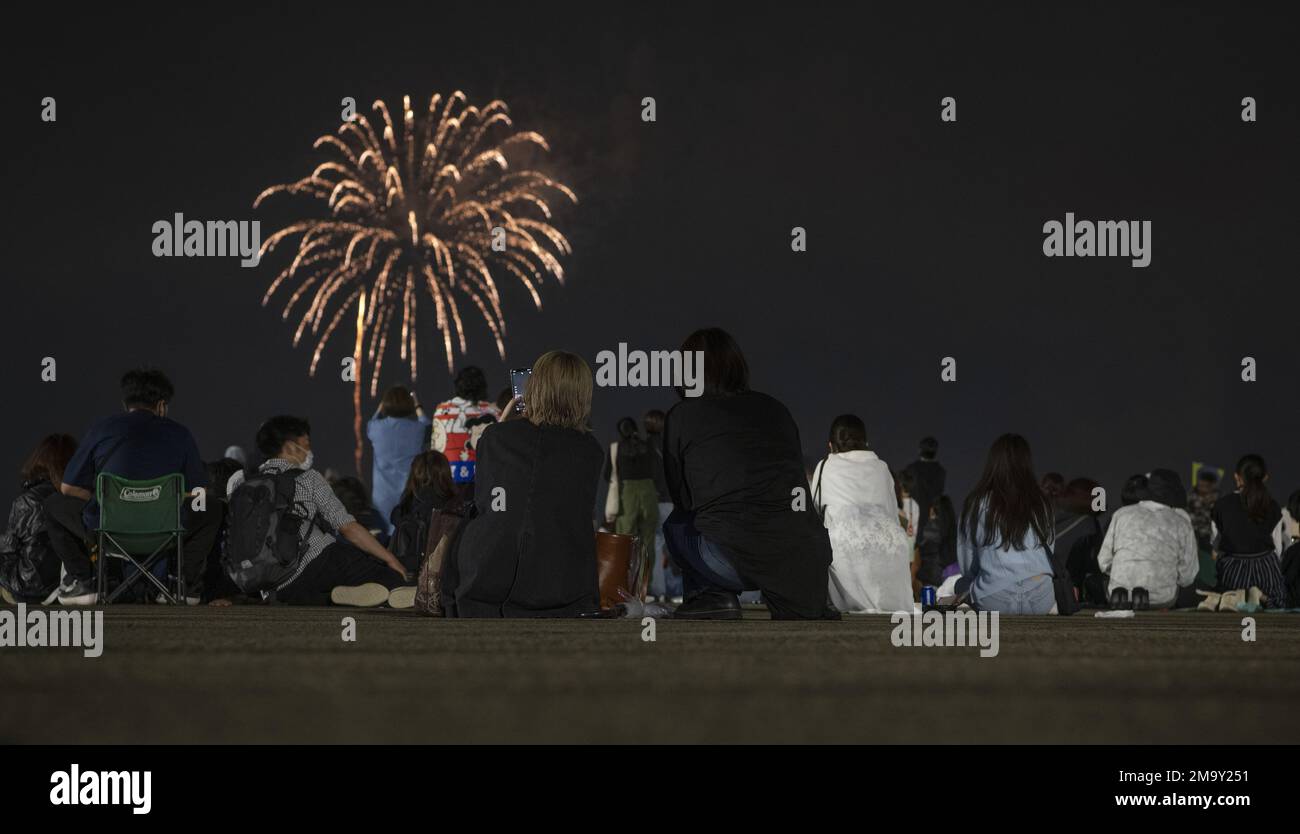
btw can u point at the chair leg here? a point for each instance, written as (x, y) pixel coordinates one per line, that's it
(101, 577)
(180, 569)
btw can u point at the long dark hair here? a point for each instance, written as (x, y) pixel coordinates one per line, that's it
(50, 457)
(1007, 498)
(1254, 493)
(429, 469)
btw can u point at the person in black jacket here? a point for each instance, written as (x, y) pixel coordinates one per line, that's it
(531, 549)
(735, 470)
(29, 567)
(1078, 534)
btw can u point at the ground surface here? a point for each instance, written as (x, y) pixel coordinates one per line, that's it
(258, 674)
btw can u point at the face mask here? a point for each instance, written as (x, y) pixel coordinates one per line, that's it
(308, 460)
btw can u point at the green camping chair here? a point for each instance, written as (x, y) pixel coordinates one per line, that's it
(138, 522)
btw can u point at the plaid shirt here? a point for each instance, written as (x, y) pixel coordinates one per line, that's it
(315, 498)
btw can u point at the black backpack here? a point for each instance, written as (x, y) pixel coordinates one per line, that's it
(263, 541)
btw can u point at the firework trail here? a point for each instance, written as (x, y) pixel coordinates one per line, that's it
(414, 213)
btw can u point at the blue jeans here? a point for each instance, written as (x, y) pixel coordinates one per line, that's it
(664, 582)
(1034, 595)
(704, 565)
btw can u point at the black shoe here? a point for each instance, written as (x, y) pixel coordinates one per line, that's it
(710, 605)
(1119, 600)
(1141, 599)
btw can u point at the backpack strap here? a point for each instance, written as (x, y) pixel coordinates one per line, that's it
(286, 487)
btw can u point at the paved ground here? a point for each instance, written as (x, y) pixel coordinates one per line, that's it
(254, 674)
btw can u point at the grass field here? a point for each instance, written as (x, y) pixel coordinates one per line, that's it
(278, 674)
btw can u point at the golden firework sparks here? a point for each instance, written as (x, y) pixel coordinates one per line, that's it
(413, 212)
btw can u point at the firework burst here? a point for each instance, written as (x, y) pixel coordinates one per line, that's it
(414, 212)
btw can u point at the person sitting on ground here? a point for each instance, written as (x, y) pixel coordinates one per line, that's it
(398, 431)
(29, 567)
(531, 549)
(352, 570)
(139, 443)
(1244, 521)
(1004, 534)
(218, 589)
(1149, 550)
(428, 487)
(871, 553)
(734, 466)
(1078, 533)
(352, 493)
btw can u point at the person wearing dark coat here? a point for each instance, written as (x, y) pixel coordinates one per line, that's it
(29, 565)
(734, 466)
(530, 551)
(1077, 537)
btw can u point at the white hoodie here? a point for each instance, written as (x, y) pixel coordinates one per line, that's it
(1152, 546)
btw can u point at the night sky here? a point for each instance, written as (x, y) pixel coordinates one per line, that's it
(924, 238)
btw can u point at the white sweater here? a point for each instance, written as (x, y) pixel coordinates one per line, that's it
(1149, 545)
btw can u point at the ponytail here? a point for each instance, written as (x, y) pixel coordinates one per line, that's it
(1254, 493)
(630, 439)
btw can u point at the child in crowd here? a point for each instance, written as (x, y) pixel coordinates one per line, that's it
(854, 491)
(29, 567)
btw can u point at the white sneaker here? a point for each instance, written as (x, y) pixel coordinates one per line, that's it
(73, 592)
(403, 597)
(367, 595)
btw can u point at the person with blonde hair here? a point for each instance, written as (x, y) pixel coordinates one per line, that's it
(530, 550)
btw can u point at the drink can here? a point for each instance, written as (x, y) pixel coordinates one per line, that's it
(928, 596)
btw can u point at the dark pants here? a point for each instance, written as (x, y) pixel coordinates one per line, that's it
(703, 564)
(342, 563)
(71, 540)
